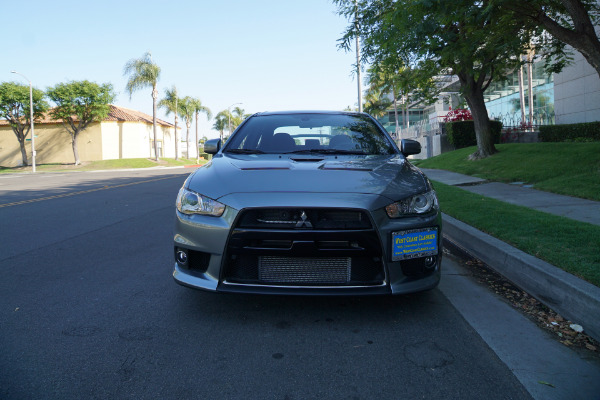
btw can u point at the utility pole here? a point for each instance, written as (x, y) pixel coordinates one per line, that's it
(358, 78)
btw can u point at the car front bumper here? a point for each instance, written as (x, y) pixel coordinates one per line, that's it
(210, 243)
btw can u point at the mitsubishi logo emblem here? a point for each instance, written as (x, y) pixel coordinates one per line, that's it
(304, 222)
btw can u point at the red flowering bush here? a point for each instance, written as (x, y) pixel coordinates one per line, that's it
(458, 114)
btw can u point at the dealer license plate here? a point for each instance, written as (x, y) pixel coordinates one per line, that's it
(414, 243)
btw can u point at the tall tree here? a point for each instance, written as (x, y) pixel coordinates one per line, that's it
(571, 22)
(144, 73)
(386, 80)
(78, 104)
(235, 118)
(171, 105)
(200, 108)
(460, 37)
(376, 103)
(394, 76)
(221, 122)
(15, 109)
(187, 112)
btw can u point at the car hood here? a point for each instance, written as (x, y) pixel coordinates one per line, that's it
(389, 176)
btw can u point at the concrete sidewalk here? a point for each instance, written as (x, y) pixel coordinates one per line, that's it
(519, 194)
(572, 297)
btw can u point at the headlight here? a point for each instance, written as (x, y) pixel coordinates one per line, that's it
(189, 202)
(419, 204)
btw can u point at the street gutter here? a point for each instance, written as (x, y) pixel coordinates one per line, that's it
(572, 297)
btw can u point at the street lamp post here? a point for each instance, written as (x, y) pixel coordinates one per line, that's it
(30, 119)
(229, 116)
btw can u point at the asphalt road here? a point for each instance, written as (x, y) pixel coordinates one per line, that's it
(88, 309)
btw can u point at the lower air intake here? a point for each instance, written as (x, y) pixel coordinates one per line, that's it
(303, 270)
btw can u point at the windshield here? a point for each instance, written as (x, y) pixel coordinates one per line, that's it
(310, 133)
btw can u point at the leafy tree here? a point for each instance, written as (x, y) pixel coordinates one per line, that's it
(78, 104)
(171, 105)
(143, 73)
(459, 37)
(569, 22)
(15, 109)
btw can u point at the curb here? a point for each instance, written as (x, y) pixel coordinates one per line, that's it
(572, 297)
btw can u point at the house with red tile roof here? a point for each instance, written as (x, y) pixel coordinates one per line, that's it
(124, 133)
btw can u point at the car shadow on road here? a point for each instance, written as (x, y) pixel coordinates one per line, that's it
(285, 312)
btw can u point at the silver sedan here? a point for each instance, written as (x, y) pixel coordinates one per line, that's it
(310, 203)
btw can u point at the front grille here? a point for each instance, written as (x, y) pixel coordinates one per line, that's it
(305, 270)
(304, 247)
(301, 218)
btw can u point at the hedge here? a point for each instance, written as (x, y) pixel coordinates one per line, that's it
(583, 132)
(462, 133)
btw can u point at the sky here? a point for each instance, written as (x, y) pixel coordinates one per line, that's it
(266, 54)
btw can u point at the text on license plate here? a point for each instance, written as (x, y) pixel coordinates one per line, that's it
(414, 243)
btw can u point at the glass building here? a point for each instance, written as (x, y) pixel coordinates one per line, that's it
(502, 100)
(389, 119)
(504, 104)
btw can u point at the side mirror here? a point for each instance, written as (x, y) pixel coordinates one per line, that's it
(212, 146)
(409, 146)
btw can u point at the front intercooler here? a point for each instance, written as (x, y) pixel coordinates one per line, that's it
(304, 270)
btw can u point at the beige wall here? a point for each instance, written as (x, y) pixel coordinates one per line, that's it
(52, 145)
(168, 135)
(136, 140)
(124, 140)
(100, 141)
(89, 143)
(111, 140)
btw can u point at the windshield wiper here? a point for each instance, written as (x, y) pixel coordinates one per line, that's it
(244, 151)
(327, 151)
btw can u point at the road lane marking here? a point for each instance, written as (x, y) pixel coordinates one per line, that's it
(58, 196)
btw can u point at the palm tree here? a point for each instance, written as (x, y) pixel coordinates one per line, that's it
(187, 111)
(383, 80)
(144, 73)
(376, 103)
(171, 105)
(221, 122)
(199, 108)
(238, 116)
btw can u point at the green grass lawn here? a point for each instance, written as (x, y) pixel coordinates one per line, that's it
(566, 168)
(105, 165)
(567, 244)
